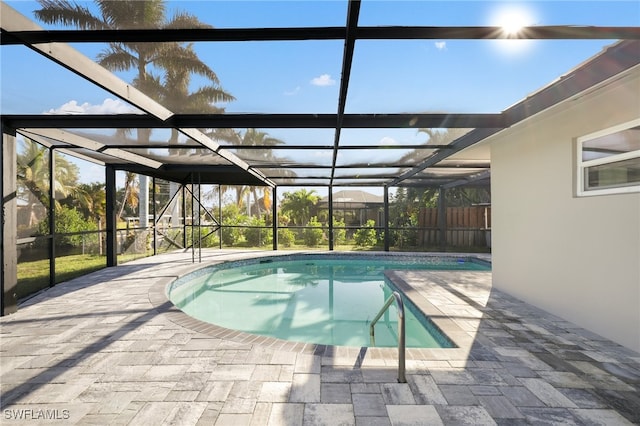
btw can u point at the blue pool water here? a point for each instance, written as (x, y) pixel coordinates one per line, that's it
(311, 298)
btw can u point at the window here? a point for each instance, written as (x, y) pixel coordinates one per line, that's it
(609, 160)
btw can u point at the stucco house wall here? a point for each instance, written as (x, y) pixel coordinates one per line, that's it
(575, 257)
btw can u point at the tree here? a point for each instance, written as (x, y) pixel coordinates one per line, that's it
(178, 61)
(175, 95)
(298, 205)
(33, 172)
(90, 201)
(130, 195)
(32, 165)
(254, 137)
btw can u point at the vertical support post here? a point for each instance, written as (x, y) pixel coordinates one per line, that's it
(8, 227)
(220, 216)
(199, 224)
(155, 218)
(111, 225)
(442, 217)
(175, 208)
(330, 200)
(193, 236)
(52, 217)
(274, 215)
(143, 201)
(184, 214)
(387, 237)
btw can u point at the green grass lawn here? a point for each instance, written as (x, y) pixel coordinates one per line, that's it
(34, 276)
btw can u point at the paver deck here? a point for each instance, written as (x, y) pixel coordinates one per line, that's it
(108, 348)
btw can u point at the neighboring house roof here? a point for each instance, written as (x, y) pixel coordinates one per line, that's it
(354, 196)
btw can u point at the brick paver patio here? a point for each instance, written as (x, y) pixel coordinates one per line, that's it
(109, 349)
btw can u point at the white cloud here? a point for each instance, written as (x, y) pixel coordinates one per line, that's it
(323, 80)
(292, 92)
(108, 106)
(387, 141)
(322, 153)
(441, 45)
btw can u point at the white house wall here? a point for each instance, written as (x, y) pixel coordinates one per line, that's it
(575, 257)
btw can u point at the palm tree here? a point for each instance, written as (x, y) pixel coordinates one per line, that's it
(174, 89)
(175, 95)
(241, 192)
(178, 61)
(33, 172)
(131, 193)
(91, 201)
(251, 137)
(254, 137)
(299, 204)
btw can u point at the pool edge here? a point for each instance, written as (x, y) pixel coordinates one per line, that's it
(160, 301)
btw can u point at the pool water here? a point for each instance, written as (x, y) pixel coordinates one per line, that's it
(312, 299)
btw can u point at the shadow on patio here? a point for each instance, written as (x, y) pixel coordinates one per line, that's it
(107, 349)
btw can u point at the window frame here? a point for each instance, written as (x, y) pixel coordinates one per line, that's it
(583, 166)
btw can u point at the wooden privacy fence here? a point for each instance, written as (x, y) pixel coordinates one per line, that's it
(464, 226)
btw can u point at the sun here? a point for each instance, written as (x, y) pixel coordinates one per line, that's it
(512, 23)
(512, 18)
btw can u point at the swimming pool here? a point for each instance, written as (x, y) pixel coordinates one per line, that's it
(323, 299)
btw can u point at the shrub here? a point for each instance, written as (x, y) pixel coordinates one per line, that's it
(339, 232)
(209, 239)
(231, 234)
(283, 219)
(286, 237)
(232, 221)
(366, 237)
(69, 220)
(257, 237)
(313, 234)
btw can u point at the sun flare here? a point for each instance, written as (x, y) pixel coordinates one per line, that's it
(512, 19)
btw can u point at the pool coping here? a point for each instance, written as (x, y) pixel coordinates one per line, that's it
(460, 338)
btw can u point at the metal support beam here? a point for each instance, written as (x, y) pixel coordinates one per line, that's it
(220, 216)
(155, 216)
(110, 201)
(353, 12)
(199, 223)
(442, 217)
(184, 214)
(8, 228)
(542, 32)
(387, 237)
(52, 217)
(274, 216)
(193, 216)
(330, 200)
(266, 121)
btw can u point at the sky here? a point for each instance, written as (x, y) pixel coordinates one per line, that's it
(304, 77)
